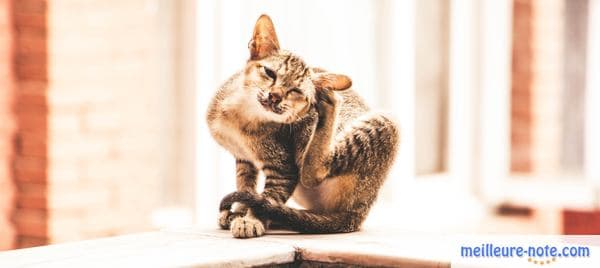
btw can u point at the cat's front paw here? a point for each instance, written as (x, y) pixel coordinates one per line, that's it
(247, 227)
(326, 103)
(326, 100)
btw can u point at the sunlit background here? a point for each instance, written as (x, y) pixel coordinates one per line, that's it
(102, 108)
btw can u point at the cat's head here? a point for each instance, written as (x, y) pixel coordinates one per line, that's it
(280, 83)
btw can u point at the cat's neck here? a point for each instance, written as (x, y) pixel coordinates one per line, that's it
(249, 124)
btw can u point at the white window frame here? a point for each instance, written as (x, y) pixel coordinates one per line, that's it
(459, 172)
(451, 191)
(478, 152)
(592, 135)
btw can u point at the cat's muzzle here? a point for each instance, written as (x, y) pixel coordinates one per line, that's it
(270, 104)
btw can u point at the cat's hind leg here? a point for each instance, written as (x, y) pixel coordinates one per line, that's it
(367, 148)
(367, 145)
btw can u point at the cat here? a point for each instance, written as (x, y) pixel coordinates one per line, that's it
(310, 134)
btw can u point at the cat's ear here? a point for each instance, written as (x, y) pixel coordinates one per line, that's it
(264, 39)
(331, 81)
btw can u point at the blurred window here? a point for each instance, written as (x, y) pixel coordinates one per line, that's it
(431, 85)
(553, 149)
(548, 88)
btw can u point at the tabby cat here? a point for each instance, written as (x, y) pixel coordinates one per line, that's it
(312, 136)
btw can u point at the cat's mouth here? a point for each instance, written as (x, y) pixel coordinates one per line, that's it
(270, 106)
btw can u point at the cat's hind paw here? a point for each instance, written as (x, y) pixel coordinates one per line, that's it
(226, 217)
(247, 227)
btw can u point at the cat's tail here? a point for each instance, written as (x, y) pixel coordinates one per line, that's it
(299, 220)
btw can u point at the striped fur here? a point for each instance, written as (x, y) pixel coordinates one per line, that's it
(313, 138)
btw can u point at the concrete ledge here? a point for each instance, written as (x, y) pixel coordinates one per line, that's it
(216, 248)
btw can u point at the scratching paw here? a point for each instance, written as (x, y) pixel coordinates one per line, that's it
(326, 99)
(326, 103)
(247, 227)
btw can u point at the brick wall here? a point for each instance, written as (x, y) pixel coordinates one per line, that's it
(580, 222)
(23, 120)
(521, 91)
(90, 147)
(7, 127)
(31, 161)
(537, 84)
(111, 102)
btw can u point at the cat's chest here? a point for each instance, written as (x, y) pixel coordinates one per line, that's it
(233, 139)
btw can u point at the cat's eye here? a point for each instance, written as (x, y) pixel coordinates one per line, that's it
(295, 91)
(270, 73)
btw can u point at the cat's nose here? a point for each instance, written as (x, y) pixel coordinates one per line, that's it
(274, 97)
